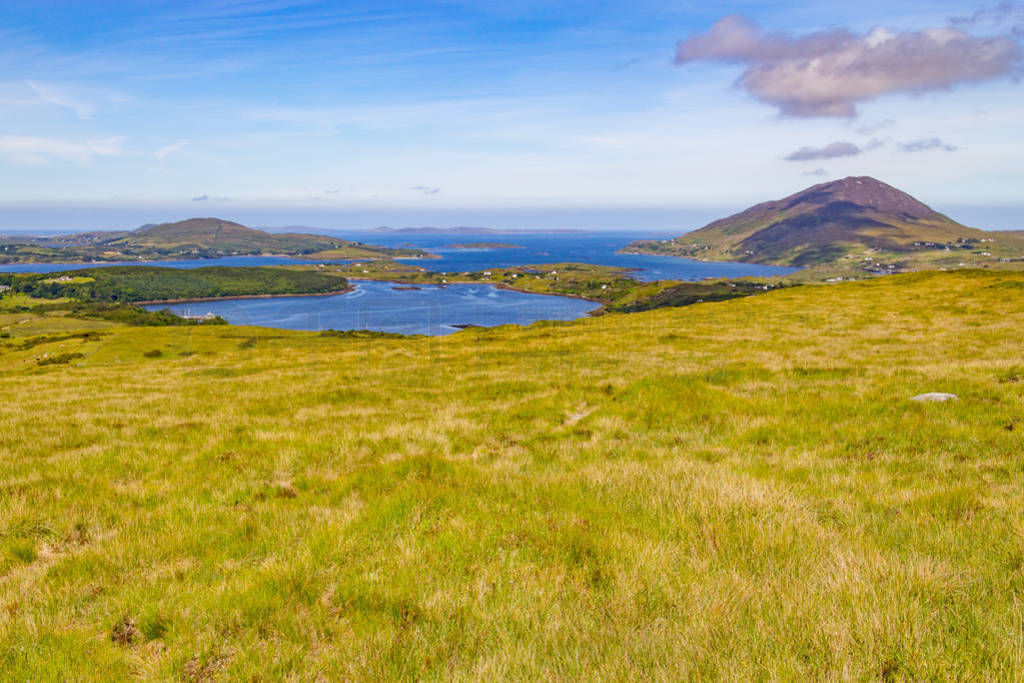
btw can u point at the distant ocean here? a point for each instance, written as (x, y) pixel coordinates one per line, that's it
(586, 247)
(443, 310)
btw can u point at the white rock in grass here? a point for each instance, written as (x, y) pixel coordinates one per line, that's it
(935, 397)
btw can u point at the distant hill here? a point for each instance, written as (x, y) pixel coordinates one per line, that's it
(85, 238)
(829, 222)
(218, 235)
(192, 238)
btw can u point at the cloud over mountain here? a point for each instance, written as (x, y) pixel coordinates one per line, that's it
(828, 73)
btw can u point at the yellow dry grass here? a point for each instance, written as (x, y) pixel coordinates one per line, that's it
(734, 490)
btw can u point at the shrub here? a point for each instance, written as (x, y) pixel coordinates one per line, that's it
(61, 359)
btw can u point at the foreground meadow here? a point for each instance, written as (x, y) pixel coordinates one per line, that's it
(737, 489)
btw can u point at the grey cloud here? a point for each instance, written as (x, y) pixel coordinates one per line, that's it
(828, 73)
(817, 173)
(830, 151)
(208, 198)
(425, 189)
(201, 198)
(925, 144)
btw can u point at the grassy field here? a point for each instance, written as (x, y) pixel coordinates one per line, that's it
(740, 489)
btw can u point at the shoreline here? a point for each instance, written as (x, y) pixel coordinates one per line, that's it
(154, 259)
(498, 285)
(599, 309)
(502, 285)
(197, 300)
(376, 257)
(600, 303)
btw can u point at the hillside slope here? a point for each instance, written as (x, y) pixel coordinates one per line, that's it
(736, 490)
(826, 222)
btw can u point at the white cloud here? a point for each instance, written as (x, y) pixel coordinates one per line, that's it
(60, 96)
(39, 150)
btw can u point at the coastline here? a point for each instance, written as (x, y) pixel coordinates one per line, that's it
(498, 285)
(368, 257)
(502, 285)
(643, 252)
(197, 300)
(599, 310)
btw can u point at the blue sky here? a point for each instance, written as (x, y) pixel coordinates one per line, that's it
(514, 114)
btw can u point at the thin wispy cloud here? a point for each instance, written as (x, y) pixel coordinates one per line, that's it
(829, 73)
(60, 96)
(425, 189)
(833, 150)
(41, 150)
(167, 150)
(926, 144)
(1002, 15)
(872, 127)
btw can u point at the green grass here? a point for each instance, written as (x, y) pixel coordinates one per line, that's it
(737, 490)
(15, 300)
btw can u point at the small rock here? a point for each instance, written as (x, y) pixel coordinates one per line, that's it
(935, 397)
